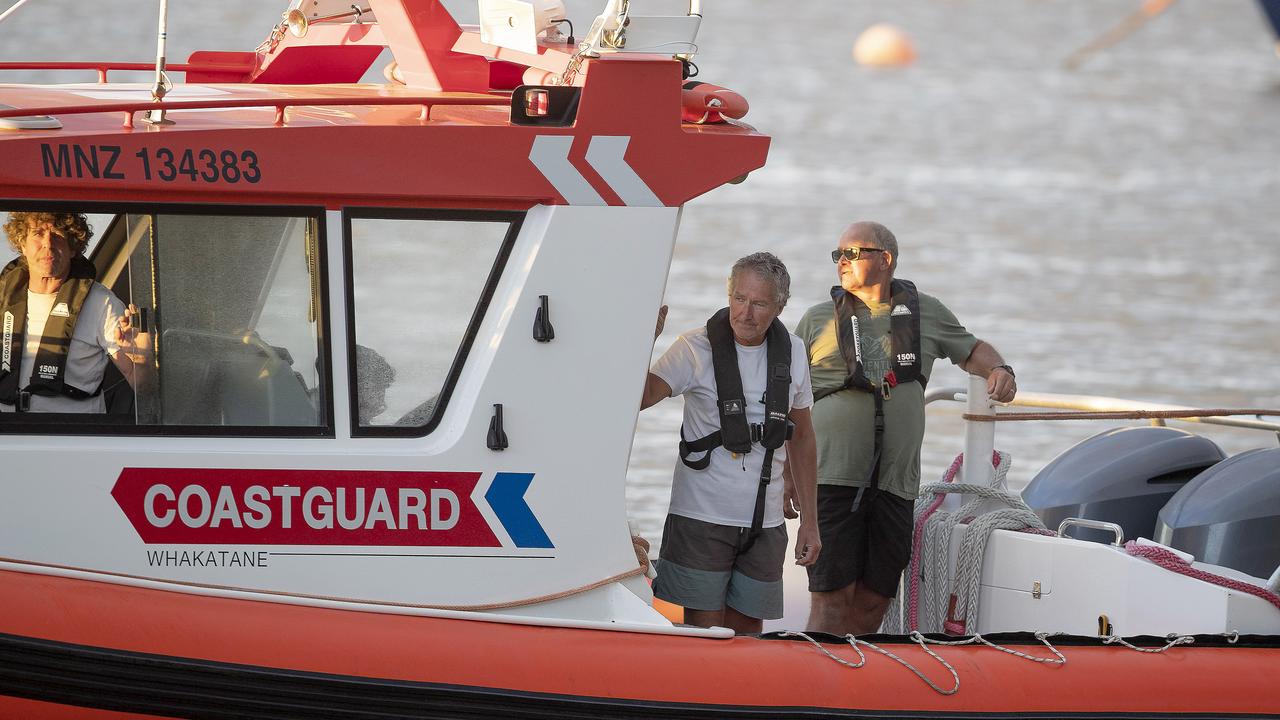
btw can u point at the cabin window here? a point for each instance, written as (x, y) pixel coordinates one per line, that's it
(231, 303)
(420, 284)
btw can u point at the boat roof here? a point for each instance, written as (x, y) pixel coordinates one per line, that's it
(445, 138)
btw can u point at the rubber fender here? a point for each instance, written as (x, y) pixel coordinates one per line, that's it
(702, 103)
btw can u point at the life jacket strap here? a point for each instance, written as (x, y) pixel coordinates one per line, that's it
(873, 478)
(757, 516)
(707, 443)
(704, 444)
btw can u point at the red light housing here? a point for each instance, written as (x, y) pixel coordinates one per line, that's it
(537, 102)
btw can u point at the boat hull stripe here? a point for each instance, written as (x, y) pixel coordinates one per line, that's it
(89, 677)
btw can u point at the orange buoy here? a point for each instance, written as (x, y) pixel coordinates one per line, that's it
(883, 45)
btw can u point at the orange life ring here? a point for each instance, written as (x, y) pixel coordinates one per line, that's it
(702, 103)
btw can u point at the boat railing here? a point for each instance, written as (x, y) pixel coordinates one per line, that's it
(980, 416)
(1102, 403)
(103, 67)
(280, 104)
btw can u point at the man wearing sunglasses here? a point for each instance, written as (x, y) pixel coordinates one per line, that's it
(871, 350)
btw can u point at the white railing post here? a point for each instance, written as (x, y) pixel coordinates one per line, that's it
(979, 437)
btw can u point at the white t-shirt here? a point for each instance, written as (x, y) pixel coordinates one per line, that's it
(725, 492)
(91, 343)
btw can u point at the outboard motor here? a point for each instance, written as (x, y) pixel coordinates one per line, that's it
(1229, 515)
(1123, 476)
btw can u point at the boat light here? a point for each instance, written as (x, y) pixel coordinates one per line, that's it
(548, 105)
(537, 102)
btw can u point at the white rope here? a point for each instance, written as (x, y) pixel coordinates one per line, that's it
(1173, 640)
(862, 658)
(973, 547)
(1043, 637)
(935, 547)
(991, 508)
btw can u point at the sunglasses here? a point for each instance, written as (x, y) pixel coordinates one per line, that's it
(851, 253)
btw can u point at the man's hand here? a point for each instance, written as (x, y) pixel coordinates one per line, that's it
(985, 360)
(662, 321)
(808, 544)
(1001, 385)
(131, 340)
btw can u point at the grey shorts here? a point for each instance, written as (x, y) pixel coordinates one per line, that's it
(700, 567)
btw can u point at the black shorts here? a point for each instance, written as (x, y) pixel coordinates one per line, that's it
(870, 545)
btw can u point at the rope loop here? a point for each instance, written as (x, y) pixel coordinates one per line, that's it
(919, 640)
(1172, 638)
(1042, 636)
(862, 659)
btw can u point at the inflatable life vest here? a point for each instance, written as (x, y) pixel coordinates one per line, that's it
(50, 367)
(905, 361)
(904, 340)
(735, 434)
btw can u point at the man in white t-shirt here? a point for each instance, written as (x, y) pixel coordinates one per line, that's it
(60, 327)
(724, 542)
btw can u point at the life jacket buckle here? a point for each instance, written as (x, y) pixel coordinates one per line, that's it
(781, 372)
(23, 403)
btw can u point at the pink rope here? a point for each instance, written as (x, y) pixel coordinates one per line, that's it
(917, 536)
(1169, 561)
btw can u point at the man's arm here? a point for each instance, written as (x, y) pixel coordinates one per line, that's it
(802, 463)
(790, 503)
(655, 388)
(984, 361)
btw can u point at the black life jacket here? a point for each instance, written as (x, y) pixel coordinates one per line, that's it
(904, 340)
(905, 362)
(48, 376)
(735, 434)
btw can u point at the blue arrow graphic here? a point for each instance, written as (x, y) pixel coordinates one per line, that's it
(506, 497)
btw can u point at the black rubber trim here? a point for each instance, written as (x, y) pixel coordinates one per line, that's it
(83, 676)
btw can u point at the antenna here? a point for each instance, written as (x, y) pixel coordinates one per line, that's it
(162, 84)
(4, 15)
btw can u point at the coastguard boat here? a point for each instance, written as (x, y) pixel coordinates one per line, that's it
(379, 469)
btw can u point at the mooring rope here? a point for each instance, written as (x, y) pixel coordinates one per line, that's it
(1170, 561)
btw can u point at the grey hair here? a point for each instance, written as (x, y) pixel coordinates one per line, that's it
(880, 237)
(768, 266)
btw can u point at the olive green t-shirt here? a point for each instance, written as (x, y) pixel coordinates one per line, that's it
(844, 421)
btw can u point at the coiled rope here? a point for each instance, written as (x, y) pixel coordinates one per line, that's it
(936, 608)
